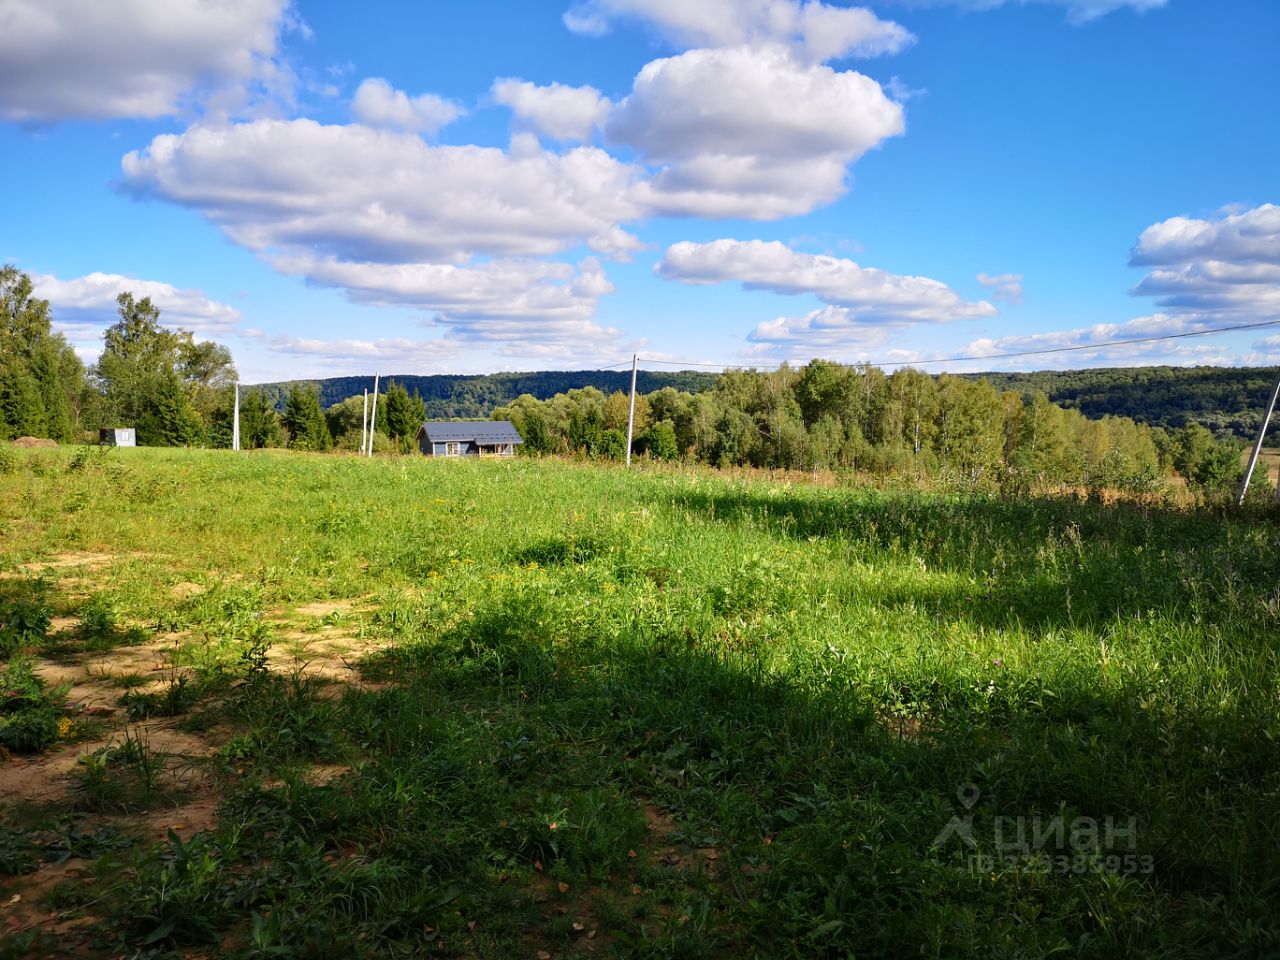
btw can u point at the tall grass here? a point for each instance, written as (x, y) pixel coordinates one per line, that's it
(703, 716)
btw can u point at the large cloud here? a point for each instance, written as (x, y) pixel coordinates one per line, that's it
(132, 58)
(89, 303)
(750, 132)
(811, 30)
(530, 301)
(557, 111)
(1227, 268)
(395, 221)
(1250, 235)
(359, 194)
(863, 295)
(378, 104)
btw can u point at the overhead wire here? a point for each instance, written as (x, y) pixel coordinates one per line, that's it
(993, 356)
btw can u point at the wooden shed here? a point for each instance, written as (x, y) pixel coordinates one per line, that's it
(468, 438)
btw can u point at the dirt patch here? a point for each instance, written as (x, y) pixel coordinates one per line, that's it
(91, 675)
(42, 780)
(35, 442)
(323, 773)
(186, 589)
(186, 820)
(323, 609)
(906, 728)
(50, 778)
(23, 903)
(333, 658)
(659, 822)
(62, 561)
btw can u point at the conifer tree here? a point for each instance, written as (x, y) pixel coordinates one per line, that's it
(304, 419)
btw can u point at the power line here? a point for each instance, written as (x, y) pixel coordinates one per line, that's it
(1003, 356)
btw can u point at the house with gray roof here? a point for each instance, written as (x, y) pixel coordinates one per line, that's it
(468, 438)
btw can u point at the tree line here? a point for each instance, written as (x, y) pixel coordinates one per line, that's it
(469, 397)
(173, 389)
(177, 391)
(169, 386)
(1226, 400)
(831, 416)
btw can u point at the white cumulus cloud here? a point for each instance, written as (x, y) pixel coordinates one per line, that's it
(831, 332)
(530, 301)
(811, 30)
(88, 303)
(1228, 268)
(133, 58)
(378, 104)
(394, 221)
(751, 133)
(364, 195)
(556, 110)
(1251, 235)
(864, 295)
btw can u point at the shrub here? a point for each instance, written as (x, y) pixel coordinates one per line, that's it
(27, 622)
(28, 710)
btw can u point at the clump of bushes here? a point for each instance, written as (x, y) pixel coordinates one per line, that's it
(29, 711)
(24, 624)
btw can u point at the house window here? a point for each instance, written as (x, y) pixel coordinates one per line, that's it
(453, 449)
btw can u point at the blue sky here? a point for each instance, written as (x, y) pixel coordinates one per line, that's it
(468, 187)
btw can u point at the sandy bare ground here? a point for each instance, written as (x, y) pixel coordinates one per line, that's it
(313, 640)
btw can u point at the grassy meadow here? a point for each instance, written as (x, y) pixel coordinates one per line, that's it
(286, 705)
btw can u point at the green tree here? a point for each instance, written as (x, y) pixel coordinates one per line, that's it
(304, 419)
(826, 389)
(659, 441)
(21, 405)
(259, 423)
(405, 414)
(161, 381)
(168, 418)
(41, 379)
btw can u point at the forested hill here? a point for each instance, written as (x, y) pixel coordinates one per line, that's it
(1224, 399)
(457, 395)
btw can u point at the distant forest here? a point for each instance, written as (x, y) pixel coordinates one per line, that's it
(1226, 400)
(459, 396)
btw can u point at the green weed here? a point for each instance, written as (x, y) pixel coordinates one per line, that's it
(29, 710)
(177, 698)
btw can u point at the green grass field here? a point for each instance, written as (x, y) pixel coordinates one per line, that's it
(533, 708)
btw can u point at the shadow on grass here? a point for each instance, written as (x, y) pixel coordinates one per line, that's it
(832, 819)
(507, 765)
(1039, 561)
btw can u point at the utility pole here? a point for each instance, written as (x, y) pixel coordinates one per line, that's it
(631, 417)
(235, 421)
(373, 415)
(364, 422)
(1257, 447)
